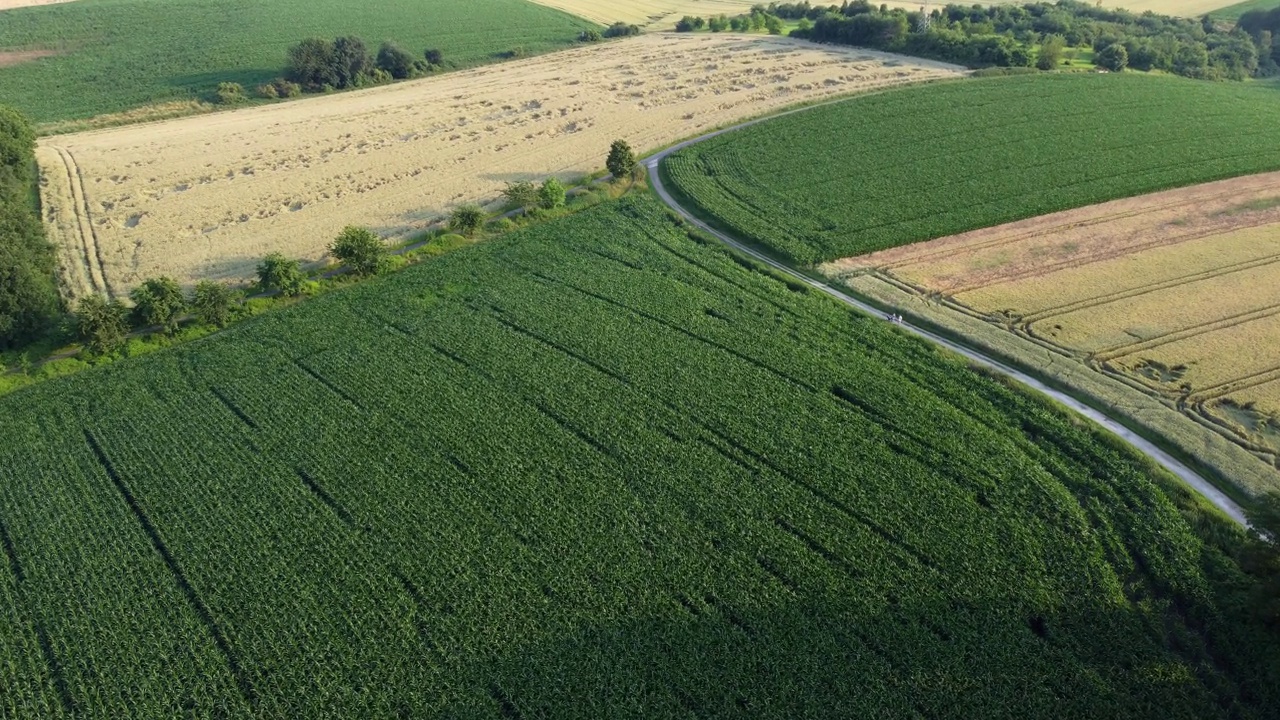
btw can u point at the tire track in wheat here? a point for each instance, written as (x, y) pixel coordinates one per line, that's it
(87, 237)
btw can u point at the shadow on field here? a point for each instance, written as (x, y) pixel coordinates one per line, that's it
(206, 84)
(850, 658)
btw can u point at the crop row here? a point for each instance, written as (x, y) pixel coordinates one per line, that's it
(923, 162)
(595, 469)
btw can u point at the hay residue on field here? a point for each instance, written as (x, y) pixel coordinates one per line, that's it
(209, 196)
(1178, 291)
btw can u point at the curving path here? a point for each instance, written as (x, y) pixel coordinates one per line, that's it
(1139, 443)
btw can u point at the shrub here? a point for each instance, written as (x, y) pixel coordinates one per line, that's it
(286, 89)
(230, 93)
(1112, 57)
(551, 195)
(395, 61)
(100, 325)
(317, 64)
(1051, 51)
(621, 29)
(278, 273)
(360, 249)
(211, 303)
(590, 35)
(268, 91)
(521, 194)
(719, 23)
(466, 219)
(689, 23)
(159, 301)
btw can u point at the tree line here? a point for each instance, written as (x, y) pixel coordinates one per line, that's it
(29, 299)
(1040, 34)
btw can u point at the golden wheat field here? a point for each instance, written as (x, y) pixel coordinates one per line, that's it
(208, 196)
(646, 12)
(1179, 290)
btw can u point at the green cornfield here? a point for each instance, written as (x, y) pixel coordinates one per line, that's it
(928, 161)
(596, 469)
(116, 55)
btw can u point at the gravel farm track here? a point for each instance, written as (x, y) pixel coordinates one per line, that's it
(1185, 473)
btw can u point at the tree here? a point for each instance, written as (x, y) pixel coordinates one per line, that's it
(279, 274)
(466, 219)
(360, 249)
(521, 194)
(211, 303)
(1264, 558)
(352, 61)
(622, 161)
(621, 29)
(689, 23)
(551, 195)
(395, 61)
(1051, 50)
(159, 301)
(1112, 57)
(772, 24)
(311, 64)
(101, 326)
(719, 23)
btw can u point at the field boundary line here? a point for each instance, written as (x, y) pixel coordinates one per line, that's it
(84, 223)
(1139, 443)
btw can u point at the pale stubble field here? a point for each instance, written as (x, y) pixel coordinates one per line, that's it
(209, 196)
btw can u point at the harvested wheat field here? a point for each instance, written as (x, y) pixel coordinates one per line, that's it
(14, 4)
(208, 196)
(1179, 291)
(645, 12)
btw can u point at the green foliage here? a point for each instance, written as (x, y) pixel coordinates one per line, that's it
(29, 300)
(396, 61)
(212, 303)
(621, 29)
(317, 64)
(121, 54)
(917, 163)
(621, 162)
(101, 326)
(596, 469)
(277, 273)
(521, 194)
(159, 302)
(434, 57)
(551, 195)
(1115, 58)
(719, 23)
(590, 35)
(230, 93)
(360, 249)
(467, 219)
(1052, 48)
(689, 23)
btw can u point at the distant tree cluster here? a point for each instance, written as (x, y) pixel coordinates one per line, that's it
(319, 65)
(29, 300)
(1007, 35)
(621, 29)
(103, 326)
(760, 19)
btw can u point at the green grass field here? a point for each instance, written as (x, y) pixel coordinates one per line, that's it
(117, 55)
(927, 161)
(595, 469)
(1233, 12)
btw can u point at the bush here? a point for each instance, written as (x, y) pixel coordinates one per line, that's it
(211, 303)
(622, 161)
(434, 57)
(1112, 57)
(689, 23)
(268, 92)
(590, 35)
(1051, 52)
(395, 61)
(360, 249)
(317, 64)
(159, 301)
(467, 219)
(719, 23)
(101, 326)
(621, 29)
(551, 195)
(521, 194)
(286, 89)
(230, 93)
(279, 274)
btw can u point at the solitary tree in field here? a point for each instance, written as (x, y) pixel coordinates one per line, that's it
(1051, 50)
(622, 161)
(521, 194)
(211, 303)
(101, 326)
(278, 273)
(159, 301)
(359, 249)
(467, 219)
(551, 195)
